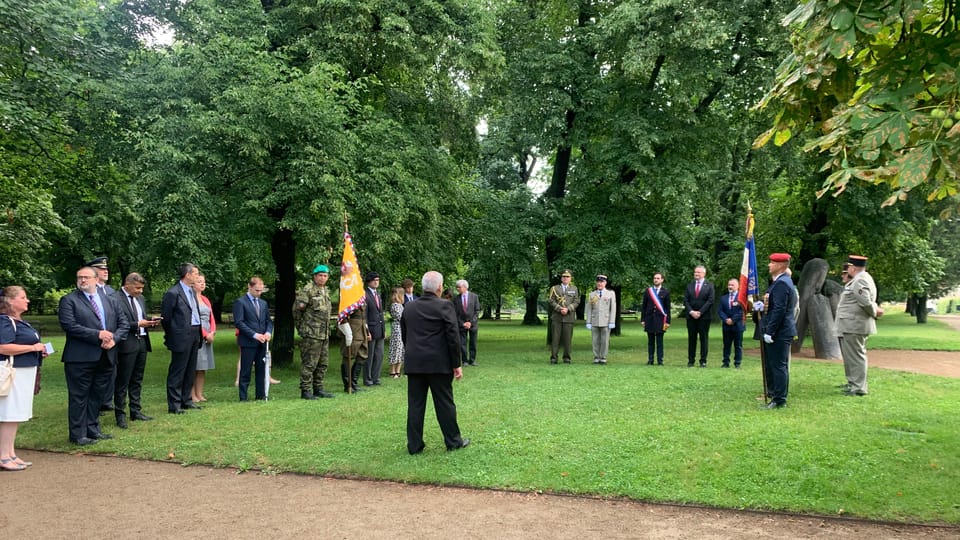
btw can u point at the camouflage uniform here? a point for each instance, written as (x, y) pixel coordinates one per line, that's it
(357, 350)
(311, 315)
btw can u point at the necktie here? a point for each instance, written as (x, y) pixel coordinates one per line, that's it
(731, 300)
(697, 291)
(377, 297)
(96, 309)
(256, 307)
(133, 309)
(464, 298)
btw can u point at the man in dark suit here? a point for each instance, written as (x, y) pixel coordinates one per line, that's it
(132, 351)
(731, 314)
(655, 317)
(467, 306)
(251, 316)
(99, 265)
(375, 323)
(181, 327)
(408, 295)
(698, 303)
(93, 324)
(779, 329)
(432, 357)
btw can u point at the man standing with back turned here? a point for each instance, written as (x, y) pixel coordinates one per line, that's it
(431, 340)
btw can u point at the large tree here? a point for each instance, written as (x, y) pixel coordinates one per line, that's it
(269, 123)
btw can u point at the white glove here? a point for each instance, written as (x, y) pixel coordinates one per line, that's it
(613, 325)
(589, 326)
(347, 332)
(767, 338)
(758, 306)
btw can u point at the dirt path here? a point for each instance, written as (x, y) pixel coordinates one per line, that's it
(82, 496)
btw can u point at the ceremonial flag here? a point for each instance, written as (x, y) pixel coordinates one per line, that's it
(351, 284)
(748, 270)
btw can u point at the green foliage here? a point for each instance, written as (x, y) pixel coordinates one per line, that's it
(583, 429)
(878, 84)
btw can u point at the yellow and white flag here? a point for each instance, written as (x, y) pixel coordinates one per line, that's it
(351, 283)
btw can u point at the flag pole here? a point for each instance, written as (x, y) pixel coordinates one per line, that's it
(749, 287)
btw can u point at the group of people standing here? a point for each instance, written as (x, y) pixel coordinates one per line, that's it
(776, 315)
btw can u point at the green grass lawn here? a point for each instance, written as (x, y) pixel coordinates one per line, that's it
(625, 429)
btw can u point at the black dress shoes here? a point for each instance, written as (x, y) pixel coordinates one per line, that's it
(140, 416)
(553, 360)
(122, 422)
(100, 435)
(649, 362)
(307, 395)
(83, 441)
(192, 406)
(463, 444)
(775, 405)
(176, 411)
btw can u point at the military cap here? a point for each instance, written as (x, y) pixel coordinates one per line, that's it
(99, 262)
(601, 277)
(857, 260)
(371, 276)
(321, 268)
(566, 273)
(780, 257)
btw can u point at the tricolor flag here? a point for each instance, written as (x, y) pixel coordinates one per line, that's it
(748, 270)
(351, 283)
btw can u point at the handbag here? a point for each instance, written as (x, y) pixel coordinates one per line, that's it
(7, 373)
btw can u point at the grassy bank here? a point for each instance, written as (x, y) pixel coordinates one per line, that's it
(626, 429)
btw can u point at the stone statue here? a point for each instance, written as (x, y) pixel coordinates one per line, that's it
(818, 305)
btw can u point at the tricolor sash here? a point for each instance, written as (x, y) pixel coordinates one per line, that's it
(656, 301)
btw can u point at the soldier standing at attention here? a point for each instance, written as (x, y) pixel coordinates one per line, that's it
(311, 315)
(563, 299)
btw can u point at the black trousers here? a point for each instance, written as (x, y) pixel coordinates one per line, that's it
(778, 370)
(250, 356)
(87, 384)
(180, 375)
(129, 380)
(697, 329)
(655, 344)
(440, 386)
(471, 356)
(734, 339)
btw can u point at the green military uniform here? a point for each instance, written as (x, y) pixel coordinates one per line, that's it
(311, 315)
(357, 350)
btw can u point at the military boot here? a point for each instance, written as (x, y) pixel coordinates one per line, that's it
(357, 368)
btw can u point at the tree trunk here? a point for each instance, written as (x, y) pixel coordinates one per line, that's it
(920, 305)
(530, 296)
(283, 248)
(912, 304)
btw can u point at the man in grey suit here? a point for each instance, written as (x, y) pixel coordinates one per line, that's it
(432, 358)
(467, 306)
(857, 315)
(181, 327)
(93, 324)
(132, 351)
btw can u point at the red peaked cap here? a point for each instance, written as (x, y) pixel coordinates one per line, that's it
(780, 257)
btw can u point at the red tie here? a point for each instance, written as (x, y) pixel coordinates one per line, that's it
(697, 291)
(464, 303)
